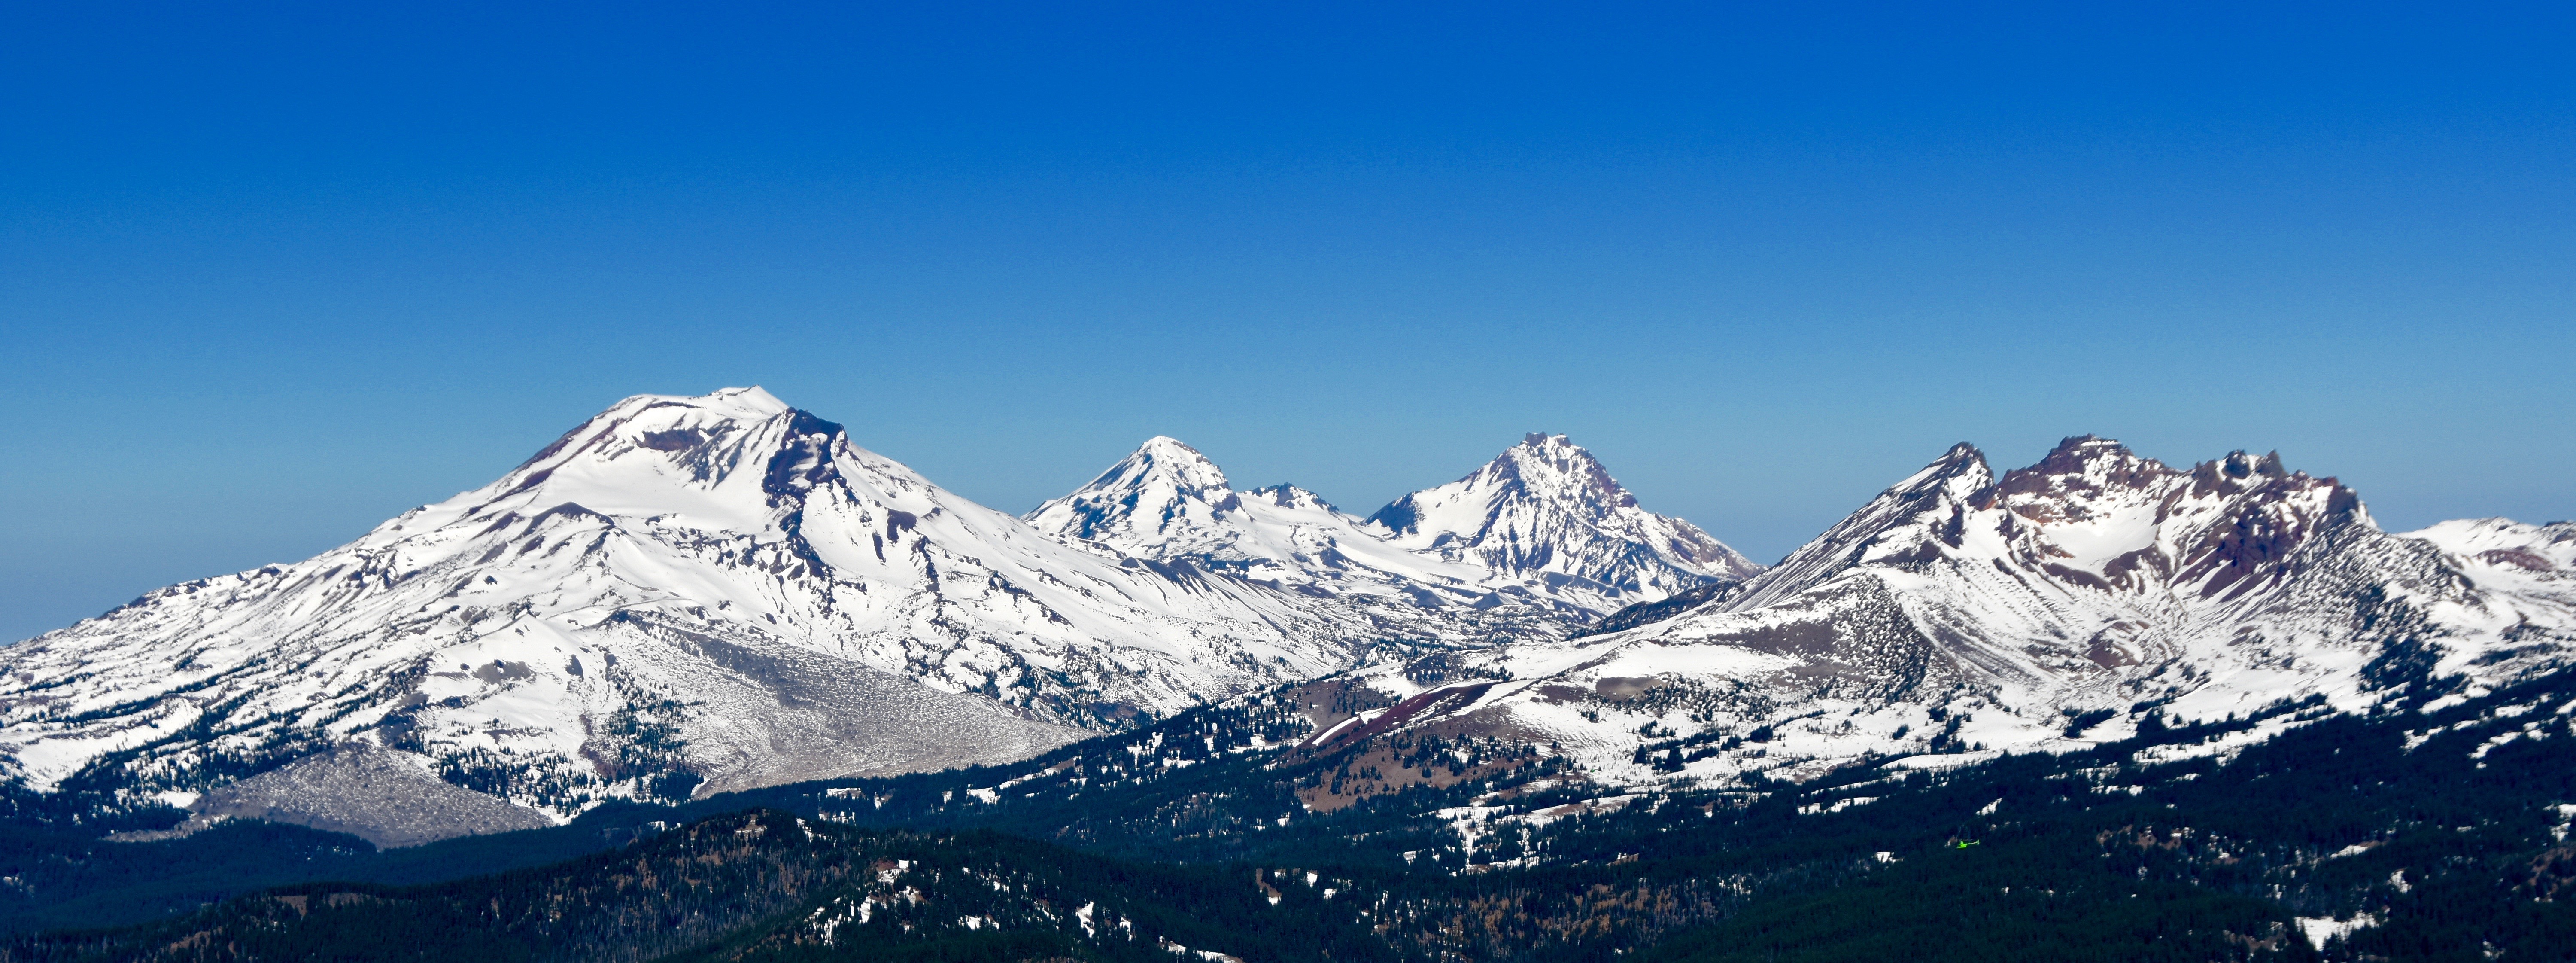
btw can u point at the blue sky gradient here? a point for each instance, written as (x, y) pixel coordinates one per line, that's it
(269, 275)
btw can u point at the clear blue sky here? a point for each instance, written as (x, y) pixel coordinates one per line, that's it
(269, 275)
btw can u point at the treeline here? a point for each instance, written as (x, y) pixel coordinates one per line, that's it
(2447, 828)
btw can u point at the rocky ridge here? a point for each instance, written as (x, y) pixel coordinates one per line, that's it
(1960, 614)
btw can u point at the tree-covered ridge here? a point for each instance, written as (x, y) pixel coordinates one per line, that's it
(2408, 835)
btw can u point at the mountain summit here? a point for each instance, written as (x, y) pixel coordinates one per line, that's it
(1163, 499)
(1545, 510)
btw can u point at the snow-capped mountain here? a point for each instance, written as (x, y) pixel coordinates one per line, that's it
(1545, 513)
(717, 592)
(688, 595)
(2066, 601)
(1168, 502)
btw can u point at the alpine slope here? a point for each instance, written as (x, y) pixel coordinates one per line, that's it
(720, 588)
(1961, 614)
(687, 595)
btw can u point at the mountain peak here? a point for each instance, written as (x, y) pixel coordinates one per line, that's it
(1959, 455)
(1546, 508)
(1165, 460)
(2085, 445)
(754, 400)
(741, 450)
(2243, 464)
(738, 404)
(1157, 492)
(1555, 462)
(2086, 463)
(646, 413)
(2074, 452)
(1962, 461)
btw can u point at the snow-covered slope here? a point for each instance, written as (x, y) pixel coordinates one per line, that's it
(2502, 555)
(1545, 513)
(1168, 502)
(2065, 601)
(697, 594)
(712, 592)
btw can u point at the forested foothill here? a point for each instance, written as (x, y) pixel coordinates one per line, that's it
(2414, 833)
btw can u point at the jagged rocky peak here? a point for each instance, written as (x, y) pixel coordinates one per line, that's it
(1959, 472)
(1556, 463)
(2097, 514)
(2090, 466)
(2086, 479)
(1542, 467)
(2091, 514)
(1546, 508)
(1927, 505)
(2085, 464)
